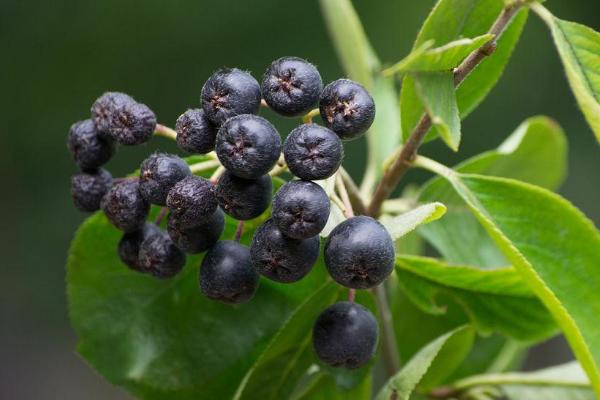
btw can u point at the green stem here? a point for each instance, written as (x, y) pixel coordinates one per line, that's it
(165, 131)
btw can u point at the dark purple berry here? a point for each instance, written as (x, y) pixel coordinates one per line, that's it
(301, 209)
(201, 237)
(313, 152)
(195, 133)
(129, 245)
(227, 275)
(280, 258)
(124, 206)
(132, 124)
(248, 146)
(88, 188)
(158, 174)
(345, 335)
(192, 200)
(291, 86)
(347, 108)
(160, 257)
(230, 92)
(244, 199)
(88, 149)
(105, 107)
(359, 253)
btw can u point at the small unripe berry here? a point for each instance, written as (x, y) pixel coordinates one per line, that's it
(313, 152)
(160, 257)
(345, 335)
(195, 133)
(192, 200)
(280, 258)
(248, 146)
(244, 199)
(227, 275)
(158, 174)
(129, 245)
(301, 209)
(347, 108)
(88, 149)
(291, 86)
(124, 206)
(359, 253)
(88, 188)
(105, 108)
(199, 238)
(230, 92)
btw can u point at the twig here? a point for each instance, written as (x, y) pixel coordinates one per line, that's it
(397, 170)
(161, 130)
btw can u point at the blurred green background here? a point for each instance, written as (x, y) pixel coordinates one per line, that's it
(58, 56)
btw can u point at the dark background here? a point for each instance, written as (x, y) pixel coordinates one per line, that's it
(58, 56)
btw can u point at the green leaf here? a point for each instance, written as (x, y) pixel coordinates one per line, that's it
(567, 381)
(444, 58)
(278, 368)
(436, 92)
(452, 20)
(322, 386)
(400, 225)
(536, 153)
(551, 243)
(430, 365)
(579, 50)
(495, 300)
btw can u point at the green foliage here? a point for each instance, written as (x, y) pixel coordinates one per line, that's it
(400, 225)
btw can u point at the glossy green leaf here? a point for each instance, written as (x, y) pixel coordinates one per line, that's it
(402, 224)
(430, 365)
(436, 92)
(551, 243)
(495, 300)
(451, 20)
(536, 153)
(563, 382)
(443, 58)
(579, 50)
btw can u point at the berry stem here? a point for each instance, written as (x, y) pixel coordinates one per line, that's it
(391, 357)
(358, 205)
(164, 131)
(238, 231)
(204, 166)
(263, 103)
(351, 295)
(402, 163)
(307, 119)
(334, 197)
(341, 188)
(161, 215)
(214, 178)
(279, 168)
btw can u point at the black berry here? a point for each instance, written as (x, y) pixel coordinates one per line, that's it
(359, 253)
(124, 206)
(199, 238)
(230, 92)
(313, 152)
(227, 275)
(244, 199)
(195, 133)
(158, 174)
(280, 258)
(160, 257)
(301, 209)
(192, 200)
(88, 188)
(345, 335)
(129, 245)
(105, 108)
(88, 149)
(248, 146)
(291, 86)
(347, 108)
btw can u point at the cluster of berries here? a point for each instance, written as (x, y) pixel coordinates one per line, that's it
(359, 252)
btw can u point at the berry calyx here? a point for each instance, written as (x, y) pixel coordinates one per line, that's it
(160, 257)
(244, 199)
(158, 174)
(124, 205)
(192, 200)
(199, 238)
(88, 188)
(345, 335)
(226, 273)
(301, 209)
(230, 92)
(129, 245)
(89, 150)
(195, 133)
(359, 253)
(248, 146)
(313, 152)
(347, 108)
(291, 86)
(281, 258)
